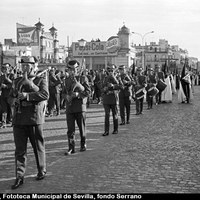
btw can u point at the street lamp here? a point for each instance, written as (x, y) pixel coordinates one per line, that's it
(143, 36)
(82, 44)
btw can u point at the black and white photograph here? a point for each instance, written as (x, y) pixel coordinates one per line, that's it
(99, 99)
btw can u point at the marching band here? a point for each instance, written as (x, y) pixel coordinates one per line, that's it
(25, 93)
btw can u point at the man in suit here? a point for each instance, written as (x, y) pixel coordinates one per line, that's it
(30, 93)
(77, 90)
(125, 94)
(110, 87)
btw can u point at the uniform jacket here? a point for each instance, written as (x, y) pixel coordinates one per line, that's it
(151, 79)
(78, 104)
(34, 107)
(109, 90)
(125, 83)
(161, 76)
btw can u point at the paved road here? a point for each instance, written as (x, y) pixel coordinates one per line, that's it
(159, 152)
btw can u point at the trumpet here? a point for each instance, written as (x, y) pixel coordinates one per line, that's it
(76, 87)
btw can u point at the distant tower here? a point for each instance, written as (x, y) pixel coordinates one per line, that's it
(124, 38)
(124, 53)
(53, 32)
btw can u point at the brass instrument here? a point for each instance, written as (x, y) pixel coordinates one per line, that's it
(76, 87)
(26, 85)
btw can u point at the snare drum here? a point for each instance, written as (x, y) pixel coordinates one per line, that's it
(151, 89)
(139, 92)
(161, 85)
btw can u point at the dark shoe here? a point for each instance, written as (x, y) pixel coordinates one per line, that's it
(128, 122)
(137, 113)
(114, 132)
(123, 123)
(148, 108)
(3, 125)
(40, 176)
(18, 182)
(83, 149)
(105, 134)
(69, 152)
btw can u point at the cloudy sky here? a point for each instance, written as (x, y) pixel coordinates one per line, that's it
(177, 21)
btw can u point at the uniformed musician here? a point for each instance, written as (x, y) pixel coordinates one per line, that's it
(139, 87)
(77, 90)
(151, 82)
(30, 93)
(159, 76)
(110, 87)
(125, 94)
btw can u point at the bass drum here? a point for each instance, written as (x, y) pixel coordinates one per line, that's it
(151, 89)
(161, 85)
(139, 92)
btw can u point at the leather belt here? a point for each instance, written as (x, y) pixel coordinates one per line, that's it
(26, 103)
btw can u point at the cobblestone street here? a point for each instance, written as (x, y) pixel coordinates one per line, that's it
(158, 152)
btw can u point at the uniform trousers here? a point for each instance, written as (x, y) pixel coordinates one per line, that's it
(107, 109)
(124, 103)
(139, 105)
(149, 101)
(80, 119)
(54, 100)
(35, 135)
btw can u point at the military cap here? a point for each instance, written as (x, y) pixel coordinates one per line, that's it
(6, 65)
(28, 59)
(111, 67)
(139, 69)
(150, 69)
(72, 64)
(122, 67)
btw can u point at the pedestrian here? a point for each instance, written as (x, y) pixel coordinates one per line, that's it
(139, 87)
(77, 91)
(110, 87)
(5, 85)
(54, 92)
(125, 94)
(31, 93)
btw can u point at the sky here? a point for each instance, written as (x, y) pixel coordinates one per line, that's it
(177, 21)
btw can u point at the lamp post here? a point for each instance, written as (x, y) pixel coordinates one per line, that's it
(82, 44)
(143, 36)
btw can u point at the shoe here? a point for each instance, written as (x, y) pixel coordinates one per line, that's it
(123, 123)
(69, 152)
(114, 132)
(137, 113)
(148, 108)
(3, 126)
(105, 134)
(40, 176)
(18, 182)
(83, 149)
(127, 122)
